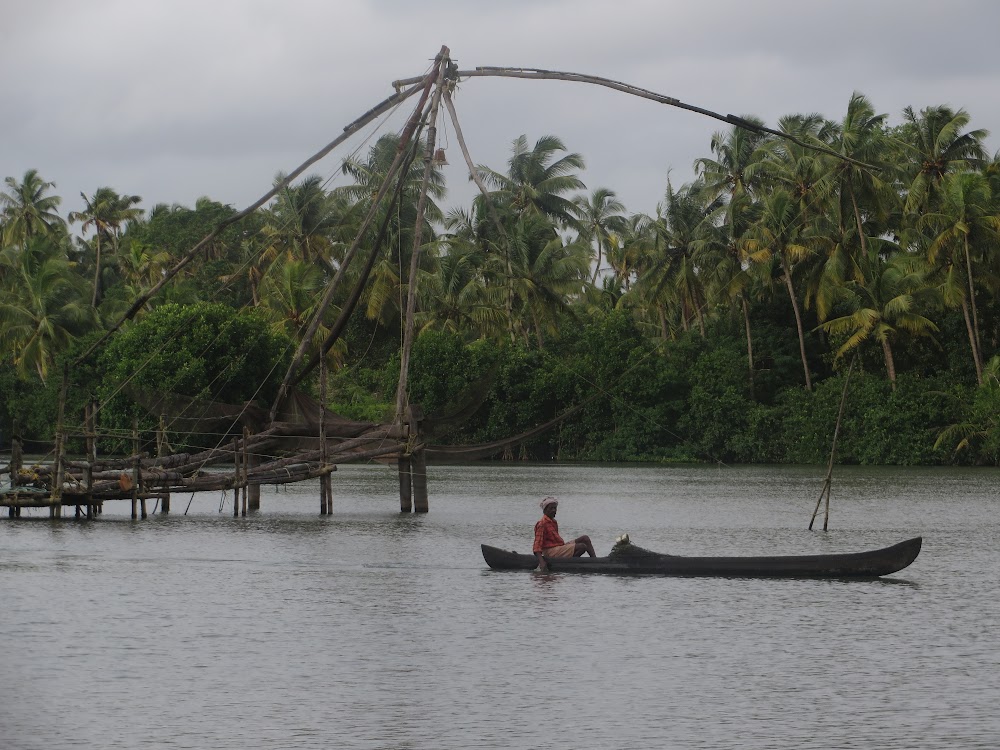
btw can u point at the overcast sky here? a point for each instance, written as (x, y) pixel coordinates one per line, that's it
(176, 99)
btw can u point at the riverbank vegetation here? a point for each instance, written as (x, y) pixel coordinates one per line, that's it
(720, 327)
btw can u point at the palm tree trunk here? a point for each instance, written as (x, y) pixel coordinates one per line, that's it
(746, 325)
(798, 321)
(857, 219)
(538, 331)
(96, 299)
(975, 313)
(972, 341)
(664, 329)
(890, 363)
(597, 268)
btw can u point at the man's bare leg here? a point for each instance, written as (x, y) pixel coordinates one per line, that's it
(583, 545)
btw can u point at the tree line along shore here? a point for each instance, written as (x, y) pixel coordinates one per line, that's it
(719, 328)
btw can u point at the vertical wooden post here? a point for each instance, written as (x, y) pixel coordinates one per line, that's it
(236, 480)
(135, 469)
(16, 461)
(418, 460)
(90, 430)
(246, 469)
(324, 501)
(16, 455)
(162, 448)
(405, 486)
(59, 468)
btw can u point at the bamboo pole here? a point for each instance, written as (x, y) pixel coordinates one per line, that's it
(246, 469)
(558, 75)
(135, 468)
(418, 232)
(90, 426)
(235, 484)
(833, 450)
(324, 507)
(57, 485)
(162, 448)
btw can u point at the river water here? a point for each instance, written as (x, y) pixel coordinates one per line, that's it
(371, 629)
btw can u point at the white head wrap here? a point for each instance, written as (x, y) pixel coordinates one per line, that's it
(546, 501)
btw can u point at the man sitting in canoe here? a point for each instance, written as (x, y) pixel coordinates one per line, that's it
(548, 543)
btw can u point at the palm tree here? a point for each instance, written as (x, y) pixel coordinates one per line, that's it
(635, 242)
(779, 234)
(25, 209)
(537, 181)
(384, 295)
(106, 211)
(736, 175)
(458, 297)
(42, 307)
(546, 273)
(305, 218)
(672, 275)
(881, 306)
(601, 221)
(865, 194)
(936, 146)
(966, 224)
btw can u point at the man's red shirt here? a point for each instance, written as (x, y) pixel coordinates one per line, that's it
(546, 535)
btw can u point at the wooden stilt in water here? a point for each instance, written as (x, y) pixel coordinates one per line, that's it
(90, 429)
(16, 460)
(324, 500)
(418, 470)
(162, 448)
(418, 459)
(236, 482)
(135, 468)
(57, 484)
(405, 487)
(246, 470)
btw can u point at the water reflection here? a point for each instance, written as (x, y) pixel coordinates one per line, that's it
(371, 629)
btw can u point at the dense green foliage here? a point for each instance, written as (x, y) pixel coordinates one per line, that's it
(719, 328)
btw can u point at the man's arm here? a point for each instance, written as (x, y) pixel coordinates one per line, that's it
(542, 565)
(537, 547)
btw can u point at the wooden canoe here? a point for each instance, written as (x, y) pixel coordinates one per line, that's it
(630, 559)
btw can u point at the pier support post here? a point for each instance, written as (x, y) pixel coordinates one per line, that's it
(413, 466)
(162, 448)
(405, 488)
(90, 429)
(418, 470)
(135, 470)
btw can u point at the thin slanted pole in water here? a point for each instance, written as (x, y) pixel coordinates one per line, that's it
(833, 450)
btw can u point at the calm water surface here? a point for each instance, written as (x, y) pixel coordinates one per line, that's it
(370, 629)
